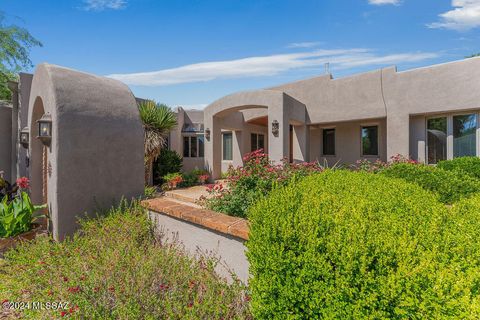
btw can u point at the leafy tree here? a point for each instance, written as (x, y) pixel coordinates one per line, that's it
(158, 119)
(15, 45)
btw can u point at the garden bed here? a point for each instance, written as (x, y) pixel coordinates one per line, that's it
(9, 243)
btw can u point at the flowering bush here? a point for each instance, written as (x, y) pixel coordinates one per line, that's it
(378, 165)
(245, 185)
(117, 268)
(203, 178)
(172, 180)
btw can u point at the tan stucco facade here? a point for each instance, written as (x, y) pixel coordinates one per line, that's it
(397, 104)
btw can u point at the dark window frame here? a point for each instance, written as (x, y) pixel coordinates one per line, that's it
(199, 147)
(223, 146)
(257, 141)
(324, 142)
(370, 154)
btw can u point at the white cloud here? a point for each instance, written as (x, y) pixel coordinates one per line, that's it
(383, 2)
(303, 44)
(100, 5)
(267, 66)
(464, 16)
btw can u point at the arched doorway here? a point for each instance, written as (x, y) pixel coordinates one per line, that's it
(38, 163)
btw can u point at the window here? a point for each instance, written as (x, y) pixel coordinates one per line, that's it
(227, 146)
(370, 141)
(436, 139)
(328, 142)
(257, 141)
(464, 135)
(193, 146)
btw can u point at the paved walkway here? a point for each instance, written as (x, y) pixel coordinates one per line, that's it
(191, 195)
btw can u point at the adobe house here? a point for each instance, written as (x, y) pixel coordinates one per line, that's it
(428, 114)
(79, 139)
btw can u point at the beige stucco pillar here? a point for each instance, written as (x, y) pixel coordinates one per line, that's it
(213, 147)
(278, 144)
(300, 143)
(237, 144)
(398, 133)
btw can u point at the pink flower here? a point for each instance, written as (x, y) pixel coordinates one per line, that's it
(23, 183)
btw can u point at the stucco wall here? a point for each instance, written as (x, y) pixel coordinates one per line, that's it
(96, 153)
(6, 139)
(347, 142)
(230, 250)
(24, 87)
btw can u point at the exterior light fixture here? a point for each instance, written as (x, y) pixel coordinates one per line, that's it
(45, 129)
(275, 128)
(24, 137)
(207, 134)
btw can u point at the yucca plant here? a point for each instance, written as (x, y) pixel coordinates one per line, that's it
(158, 119)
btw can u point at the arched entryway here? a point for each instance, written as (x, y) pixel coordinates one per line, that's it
(95, 156)
(38, 163)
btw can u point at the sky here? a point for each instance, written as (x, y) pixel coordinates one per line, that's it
(192, 52)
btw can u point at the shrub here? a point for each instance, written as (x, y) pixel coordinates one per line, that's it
(116, 268)
(467, 165)
(354, 245)
(167, 162)
(245, 185)
(449, 186)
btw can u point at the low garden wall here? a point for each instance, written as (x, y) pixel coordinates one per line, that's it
(204, 231)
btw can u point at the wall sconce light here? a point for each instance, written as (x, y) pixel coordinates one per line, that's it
(24, 137)
(207, 134)
(275, 128)
(45, 129)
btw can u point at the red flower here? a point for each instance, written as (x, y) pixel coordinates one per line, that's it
(74, 289)
(65, 279)
(190, 304)
(23, 183)
(63, 313)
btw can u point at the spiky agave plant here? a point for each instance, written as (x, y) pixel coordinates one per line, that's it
(158, 119)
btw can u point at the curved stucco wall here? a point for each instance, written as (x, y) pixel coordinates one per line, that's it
(5, 139)
(96, 153)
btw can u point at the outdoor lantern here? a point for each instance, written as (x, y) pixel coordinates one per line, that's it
(45, 129)
(207, 134)
(24, 137)
(275, 127)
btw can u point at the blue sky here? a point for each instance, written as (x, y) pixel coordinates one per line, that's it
(192, 52)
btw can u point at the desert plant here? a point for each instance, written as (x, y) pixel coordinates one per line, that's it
(448, 185)
(169, 161)
(356, 245)
(467, 165)
(158, 120)
(117, 267)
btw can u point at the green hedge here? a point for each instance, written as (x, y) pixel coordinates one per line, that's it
(353, 245)
(448, 185)
(467, 165)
